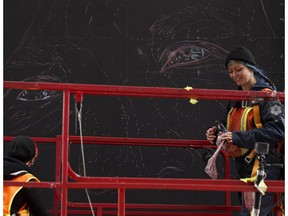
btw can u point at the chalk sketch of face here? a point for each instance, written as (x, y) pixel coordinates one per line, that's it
(196, 40)
(33, 112)
(180, 52)
(191, 42)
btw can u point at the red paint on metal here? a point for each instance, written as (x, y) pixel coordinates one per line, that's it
(62, 168)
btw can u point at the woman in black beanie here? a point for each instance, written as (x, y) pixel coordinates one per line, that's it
(19, 155)
(244, 130)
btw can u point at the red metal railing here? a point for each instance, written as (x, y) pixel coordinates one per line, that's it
(63, 171)
(138, 91)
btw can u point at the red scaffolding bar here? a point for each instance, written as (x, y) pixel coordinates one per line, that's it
(63, 171)
(139, 91)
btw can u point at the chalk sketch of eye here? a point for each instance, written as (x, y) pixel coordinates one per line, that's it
(35, 95)
(38, 95)
(191, 55)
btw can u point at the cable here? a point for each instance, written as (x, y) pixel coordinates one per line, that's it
(82, 151)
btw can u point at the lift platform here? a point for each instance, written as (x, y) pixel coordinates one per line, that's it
(67, 179)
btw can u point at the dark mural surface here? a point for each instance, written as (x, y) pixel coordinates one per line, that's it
(154, 43)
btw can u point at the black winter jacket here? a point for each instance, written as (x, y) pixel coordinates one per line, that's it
(273, 130)
(30, 195)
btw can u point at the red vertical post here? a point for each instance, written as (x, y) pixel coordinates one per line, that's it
(227, 176)
(121, 201)
(99, 211)
(57, 174)
(65, 140)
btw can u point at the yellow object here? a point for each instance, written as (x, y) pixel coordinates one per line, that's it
(262, 186)
(252, 179)
(192, 100)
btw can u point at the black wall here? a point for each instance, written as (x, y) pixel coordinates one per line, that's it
(132, 42)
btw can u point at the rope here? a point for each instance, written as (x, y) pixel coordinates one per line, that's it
(82, 151)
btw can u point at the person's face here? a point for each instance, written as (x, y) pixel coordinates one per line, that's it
(241, 75)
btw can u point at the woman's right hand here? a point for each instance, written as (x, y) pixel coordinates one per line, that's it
(211, 134)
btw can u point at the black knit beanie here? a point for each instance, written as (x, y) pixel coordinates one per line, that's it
(22, 148)
(241, 54)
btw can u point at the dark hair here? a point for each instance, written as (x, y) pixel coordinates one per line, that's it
(259, 74)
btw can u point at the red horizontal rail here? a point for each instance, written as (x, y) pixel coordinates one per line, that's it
(141, 91)
(36, 139)
(158, 209)
(156, 184)
(157, 206)
(142, 141)
(138, 213)
(125, 140)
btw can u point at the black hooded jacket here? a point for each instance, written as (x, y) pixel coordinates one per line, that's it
(30, 195)
(272, 131)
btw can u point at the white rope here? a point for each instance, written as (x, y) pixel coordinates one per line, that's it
(83, 155)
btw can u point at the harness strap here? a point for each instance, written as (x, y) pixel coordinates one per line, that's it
(256, 115)
(258, 123)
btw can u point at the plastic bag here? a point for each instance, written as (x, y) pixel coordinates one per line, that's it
(211, 168)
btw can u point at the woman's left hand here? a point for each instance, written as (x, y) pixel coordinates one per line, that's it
(226, 136)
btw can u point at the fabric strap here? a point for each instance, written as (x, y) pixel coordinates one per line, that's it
(258, 123)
